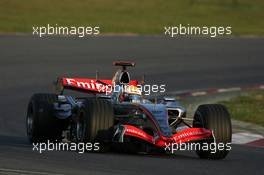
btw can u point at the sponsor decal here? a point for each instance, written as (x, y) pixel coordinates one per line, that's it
(137, 132)
(133, 131)
(87, 84)
(188, 134)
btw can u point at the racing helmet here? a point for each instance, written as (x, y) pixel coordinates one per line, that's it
(131, 93)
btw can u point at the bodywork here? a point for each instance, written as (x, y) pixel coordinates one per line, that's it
(164, 117)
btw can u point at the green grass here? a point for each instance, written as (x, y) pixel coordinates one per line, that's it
(249, 108)
(134, 16)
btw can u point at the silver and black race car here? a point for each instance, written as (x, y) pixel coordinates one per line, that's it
(124, 119)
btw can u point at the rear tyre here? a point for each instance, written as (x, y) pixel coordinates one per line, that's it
(216, 118)
(95, 122)
(41, 123)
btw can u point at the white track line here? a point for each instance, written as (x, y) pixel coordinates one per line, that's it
(199, 93)
(217, 90)
(244, 138)
(234, 89)
(5, 170)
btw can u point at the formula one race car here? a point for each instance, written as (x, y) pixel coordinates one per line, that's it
(124, 119)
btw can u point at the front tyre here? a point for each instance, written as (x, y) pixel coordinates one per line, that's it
(95, 122)
(216, 118)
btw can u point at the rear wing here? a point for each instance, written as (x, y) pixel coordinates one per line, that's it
(95, 86)
(124, 64)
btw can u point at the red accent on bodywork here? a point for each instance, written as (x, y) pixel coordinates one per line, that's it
(91, 85)
(187, 135)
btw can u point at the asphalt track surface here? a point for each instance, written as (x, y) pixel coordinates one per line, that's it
(30, 64)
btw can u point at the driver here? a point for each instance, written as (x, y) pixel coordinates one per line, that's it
(131, 93)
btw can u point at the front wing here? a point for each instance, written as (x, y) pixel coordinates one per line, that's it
(186, 135)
